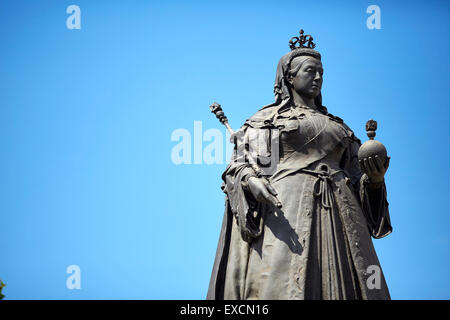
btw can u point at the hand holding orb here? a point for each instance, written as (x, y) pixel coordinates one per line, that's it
(372, 155)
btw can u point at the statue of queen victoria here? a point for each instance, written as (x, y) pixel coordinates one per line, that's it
(301, 206)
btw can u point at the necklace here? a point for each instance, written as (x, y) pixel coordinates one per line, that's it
(303, 106)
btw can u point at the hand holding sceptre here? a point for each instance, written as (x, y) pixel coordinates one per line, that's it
(259, 185)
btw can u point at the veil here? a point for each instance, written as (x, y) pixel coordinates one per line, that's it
(281, 88)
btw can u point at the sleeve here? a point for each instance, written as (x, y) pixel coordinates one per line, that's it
(373, 197)
(245, 208)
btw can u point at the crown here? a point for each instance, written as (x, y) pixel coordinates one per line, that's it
(299, 42)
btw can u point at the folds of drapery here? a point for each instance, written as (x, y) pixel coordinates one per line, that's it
(247, 210)
(241, 205)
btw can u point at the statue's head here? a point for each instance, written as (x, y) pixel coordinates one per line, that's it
(299, 70)
(305, 76)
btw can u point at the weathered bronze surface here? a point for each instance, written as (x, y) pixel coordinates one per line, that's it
(301, 207)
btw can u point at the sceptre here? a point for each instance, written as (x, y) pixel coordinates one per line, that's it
(218, 111)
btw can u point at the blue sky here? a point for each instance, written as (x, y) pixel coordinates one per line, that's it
(86, 118)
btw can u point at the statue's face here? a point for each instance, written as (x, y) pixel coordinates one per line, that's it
(308, 80)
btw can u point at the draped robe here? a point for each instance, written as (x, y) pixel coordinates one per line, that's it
(318, 244)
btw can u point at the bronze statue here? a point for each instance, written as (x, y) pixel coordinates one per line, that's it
(301, 207)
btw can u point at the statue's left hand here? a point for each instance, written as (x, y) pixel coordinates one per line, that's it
(374, 168)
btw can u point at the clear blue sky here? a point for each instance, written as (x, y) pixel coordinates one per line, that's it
(86, 118)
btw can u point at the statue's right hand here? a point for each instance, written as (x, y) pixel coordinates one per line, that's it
(263, 191)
